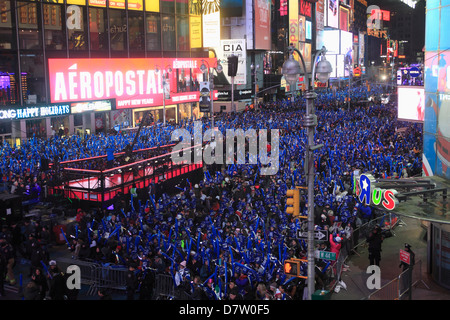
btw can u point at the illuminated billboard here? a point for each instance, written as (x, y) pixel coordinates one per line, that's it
(346, 48)
(262, 24)
(332, 13)
(301, 28)
(132, 82)
(331, 41)
(411, 103)
(211, 25)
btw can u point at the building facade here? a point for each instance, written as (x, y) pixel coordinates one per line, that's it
(34, 33)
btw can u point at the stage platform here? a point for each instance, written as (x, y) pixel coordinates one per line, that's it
(103, 184)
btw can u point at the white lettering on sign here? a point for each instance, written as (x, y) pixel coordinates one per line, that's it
(189, 64)
(106, 84)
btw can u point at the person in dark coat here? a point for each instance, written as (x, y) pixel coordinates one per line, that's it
(375, 240)
(57, 282)
(132, 281)
(41, 281)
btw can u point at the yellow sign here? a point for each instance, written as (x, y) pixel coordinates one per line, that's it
(152, 5)
(195, 31)
(293, 25)
(76, 2)
(97, 3)
(137, 5)
(117, 4)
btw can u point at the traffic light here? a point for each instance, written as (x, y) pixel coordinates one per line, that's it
(293, 202)
(292, 268)
(233, 62)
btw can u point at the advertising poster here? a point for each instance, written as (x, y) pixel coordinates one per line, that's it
(343, 19)
(195, 31)
(308, 30)
(293, 24)
(262, 24)
(132, 82)
(347, 49)
(332, 11)
(320, 14)
(234, 47)
(437, 114)
(411, 103)
(211, 27)
(331, 41)
(305, 49)
(301, 28)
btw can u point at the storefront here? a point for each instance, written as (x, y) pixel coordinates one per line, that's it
(157, 113)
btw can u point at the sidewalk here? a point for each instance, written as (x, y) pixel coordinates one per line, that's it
(355, 278)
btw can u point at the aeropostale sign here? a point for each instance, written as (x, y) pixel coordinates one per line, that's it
(132, 82)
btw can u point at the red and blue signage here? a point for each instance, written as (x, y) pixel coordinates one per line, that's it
(367, 192)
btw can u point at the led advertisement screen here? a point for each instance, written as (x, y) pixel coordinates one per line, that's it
(332, 11)
(411, 103)
(331, 41)
(262, 24)
(347, 49)
(133, 83)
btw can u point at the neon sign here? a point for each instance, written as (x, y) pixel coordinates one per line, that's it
(368, 194)
(34, 112)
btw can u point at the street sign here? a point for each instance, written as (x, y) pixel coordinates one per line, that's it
(325, 255)
(405, 256)
(318, 235)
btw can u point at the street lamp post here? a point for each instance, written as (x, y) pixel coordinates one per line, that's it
(255, 70)
(163, 81)
(291, 71)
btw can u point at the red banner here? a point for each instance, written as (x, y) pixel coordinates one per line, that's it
(133, 83)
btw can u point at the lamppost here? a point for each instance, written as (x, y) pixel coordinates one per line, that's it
(291, 71)
(255, 70)
(163, 81)
(206, 68)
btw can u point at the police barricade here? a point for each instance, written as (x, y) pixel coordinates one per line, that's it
(87, 269)
(111, 277)
(164, 287)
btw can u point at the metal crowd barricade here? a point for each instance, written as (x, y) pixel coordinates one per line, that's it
(111, 277)
(164, 286)
(400, 287)
(87, 269)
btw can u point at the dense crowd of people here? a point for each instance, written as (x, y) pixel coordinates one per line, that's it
(226, 235)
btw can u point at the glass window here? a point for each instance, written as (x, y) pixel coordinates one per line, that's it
(28, 34)
(33, 80)
(6, 31)
(9, 87)
(153, 31)
(136, 32)
(183, 33)
(97, 30)
(168, 6)
(76, 28)
(54, 36)
(182, 6)
(118, 29)
(168, 33)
